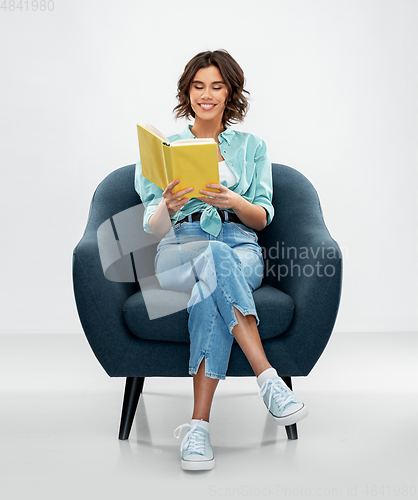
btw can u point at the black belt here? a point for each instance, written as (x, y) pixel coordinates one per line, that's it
(197, 215)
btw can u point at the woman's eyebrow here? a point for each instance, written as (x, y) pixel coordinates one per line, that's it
(213, 83)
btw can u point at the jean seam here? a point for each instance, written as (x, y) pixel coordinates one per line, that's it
(208, 343)
(197, 366)
(244, 312)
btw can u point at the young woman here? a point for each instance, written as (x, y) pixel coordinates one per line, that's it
(209, 247)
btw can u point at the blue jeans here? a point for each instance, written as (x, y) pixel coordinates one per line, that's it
(220, 273)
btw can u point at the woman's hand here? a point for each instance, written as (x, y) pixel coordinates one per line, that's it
(254, 216)
(172, 200)
(224, 199)
(160, 222)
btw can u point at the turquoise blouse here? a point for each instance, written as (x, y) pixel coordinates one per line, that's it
(245, 154)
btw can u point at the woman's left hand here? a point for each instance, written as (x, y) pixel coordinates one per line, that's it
(224, 199)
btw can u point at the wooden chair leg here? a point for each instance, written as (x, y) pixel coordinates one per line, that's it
(133, 389)
(291, 430)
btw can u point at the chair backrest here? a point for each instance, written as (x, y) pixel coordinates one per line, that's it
(113, 195)
(295, 202)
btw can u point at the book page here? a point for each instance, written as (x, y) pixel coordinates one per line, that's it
(156, 132)
(191, 142)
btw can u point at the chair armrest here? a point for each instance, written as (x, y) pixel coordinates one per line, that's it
(100, 304)
(312, 275)
(304, 261)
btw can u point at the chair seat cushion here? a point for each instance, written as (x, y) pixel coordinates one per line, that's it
(169, 316)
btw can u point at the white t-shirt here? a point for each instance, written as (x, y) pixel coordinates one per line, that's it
(226, 174)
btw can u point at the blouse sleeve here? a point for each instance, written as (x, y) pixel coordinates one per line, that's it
(150, 194)
(264, 183)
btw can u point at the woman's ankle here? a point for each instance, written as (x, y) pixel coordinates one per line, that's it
(262, 367)
(198, 416)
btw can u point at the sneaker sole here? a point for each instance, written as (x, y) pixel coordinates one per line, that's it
(204, 465)
(293, 418)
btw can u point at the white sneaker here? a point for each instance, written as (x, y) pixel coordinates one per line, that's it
(195, 450)
(281, 402)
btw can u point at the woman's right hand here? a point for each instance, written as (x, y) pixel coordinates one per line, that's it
(171, 200)
(160, 222)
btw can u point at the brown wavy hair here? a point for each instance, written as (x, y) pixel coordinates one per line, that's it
(233, 76)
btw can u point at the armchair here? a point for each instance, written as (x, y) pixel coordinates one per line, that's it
(297, 302)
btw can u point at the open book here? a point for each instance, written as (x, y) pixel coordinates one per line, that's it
(193, 161)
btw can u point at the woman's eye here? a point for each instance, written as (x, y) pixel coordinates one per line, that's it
(201, 88)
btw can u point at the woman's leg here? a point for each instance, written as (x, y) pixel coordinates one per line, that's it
(218, 268)
(248, 338)
(245, 331)
(203, 392)
(209, 334)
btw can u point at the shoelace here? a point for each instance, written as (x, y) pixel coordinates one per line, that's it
(281, 394)
(194, 440)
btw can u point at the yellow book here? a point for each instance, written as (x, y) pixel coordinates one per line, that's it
(193, 161)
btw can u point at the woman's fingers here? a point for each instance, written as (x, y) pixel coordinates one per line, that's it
(212, 194)
(169, 190)
(215, 202)
(170, 187)
(174, 204)
(221, 187)
(222, 199)
(222, 190)
(174, 201)
(183, 192)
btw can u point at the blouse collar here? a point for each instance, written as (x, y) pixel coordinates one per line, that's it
(227, 134)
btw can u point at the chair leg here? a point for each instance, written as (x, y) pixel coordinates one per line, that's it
(291, 430)
(133, 390)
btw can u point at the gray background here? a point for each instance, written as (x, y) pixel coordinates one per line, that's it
(333, 93)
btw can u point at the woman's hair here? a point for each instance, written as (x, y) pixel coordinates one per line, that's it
(233, 76)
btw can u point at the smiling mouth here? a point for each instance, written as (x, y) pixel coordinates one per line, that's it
(206, 106)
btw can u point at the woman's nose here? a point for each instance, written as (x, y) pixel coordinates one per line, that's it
(206, 94)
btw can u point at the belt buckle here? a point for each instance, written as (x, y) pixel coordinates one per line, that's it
(223, 214)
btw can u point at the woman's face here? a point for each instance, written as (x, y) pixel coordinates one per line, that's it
(208, 93)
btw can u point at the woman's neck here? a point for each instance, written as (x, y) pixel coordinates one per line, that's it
(202, 129)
